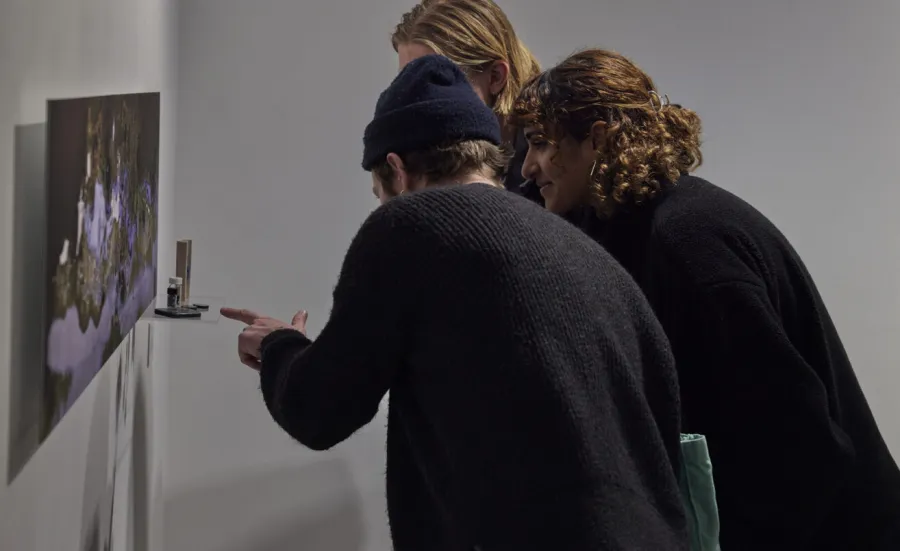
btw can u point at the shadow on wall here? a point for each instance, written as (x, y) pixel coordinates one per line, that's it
(140, 469)
(27, 317)
(116, 520)
(310, 507)
(95, 519)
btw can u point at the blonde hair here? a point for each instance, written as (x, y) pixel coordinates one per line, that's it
(649, 143)
(473, 34)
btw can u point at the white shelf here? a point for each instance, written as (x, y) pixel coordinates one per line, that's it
(206, 316)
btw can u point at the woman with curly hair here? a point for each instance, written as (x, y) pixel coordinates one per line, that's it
(477, 36)
(798, 460)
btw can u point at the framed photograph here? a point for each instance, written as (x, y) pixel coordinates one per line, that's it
(102, 171)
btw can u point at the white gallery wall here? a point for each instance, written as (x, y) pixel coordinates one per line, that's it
(273, 96)
(59, 49)
(797, 99)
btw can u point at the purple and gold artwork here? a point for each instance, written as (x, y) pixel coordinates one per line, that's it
(102, 170)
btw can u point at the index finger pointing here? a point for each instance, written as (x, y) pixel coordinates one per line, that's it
(242, 315)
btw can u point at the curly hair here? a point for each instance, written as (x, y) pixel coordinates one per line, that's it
(649, 142)
(473, 34)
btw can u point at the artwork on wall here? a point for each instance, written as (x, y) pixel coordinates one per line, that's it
(102, 169)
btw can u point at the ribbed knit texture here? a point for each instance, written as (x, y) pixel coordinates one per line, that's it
(798, 461)
(533, 401)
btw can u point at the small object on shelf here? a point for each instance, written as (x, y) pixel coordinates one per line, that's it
(178, 312)
(206, 312)
(183, 268)
(173, 293)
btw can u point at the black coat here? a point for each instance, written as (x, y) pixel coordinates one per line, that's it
(533, 401)
(798, 460)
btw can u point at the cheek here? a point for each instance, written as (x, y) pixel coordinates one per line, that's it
(575, 170)
(552, 167)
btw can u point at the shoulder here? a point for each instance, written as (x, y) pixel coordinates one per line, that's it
(447, 213)
(711, 234)
(434, 203)
(449, 206)
(445, 195)
(696, 203)
(462, 195)
(487, 221)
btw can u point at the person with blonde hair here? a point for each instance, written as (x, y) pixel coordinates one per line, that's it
(797, 457)
(478, 37)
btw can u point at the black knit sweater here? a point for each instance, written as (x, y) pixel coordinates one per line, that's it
(798, 461)
(533, 401)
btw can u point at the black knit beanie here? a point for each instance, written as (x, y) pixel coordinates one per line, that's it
(429, 103)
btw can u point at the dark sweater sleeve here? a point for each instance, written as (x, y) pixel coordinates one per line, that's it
(772, 418)
(320, 392)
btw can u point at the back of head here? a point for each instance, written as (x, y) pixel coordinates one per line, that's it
(648, 140)
(432, 118)
(473, 34)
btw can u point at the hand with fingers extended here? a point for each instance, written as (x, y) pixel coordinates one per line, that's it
(258, 328)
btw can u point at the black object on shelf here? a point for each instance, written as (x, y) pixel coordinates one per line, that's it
(178, 312)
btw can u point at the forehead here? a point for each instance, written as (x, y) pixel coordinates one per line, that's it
(409, 51)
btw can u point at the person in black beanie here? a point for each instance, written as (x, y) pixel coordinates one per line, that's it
(533, 398)
(427, 110)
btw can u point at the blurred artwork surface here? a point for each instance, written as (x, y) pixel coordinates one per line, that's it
(102, 170)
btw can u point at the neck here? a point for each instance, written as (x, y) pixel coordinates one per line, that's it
(475, 177)
(507, 132)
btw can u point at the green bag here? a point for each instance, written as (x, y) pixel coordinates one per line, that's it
(698, 492)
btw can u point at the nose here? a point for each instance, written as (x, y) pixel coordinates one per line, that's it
(529, 167)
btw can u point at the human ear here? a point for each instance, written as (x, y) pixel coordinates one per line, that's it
(598, 135)
(499, 75)
(401, 181)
